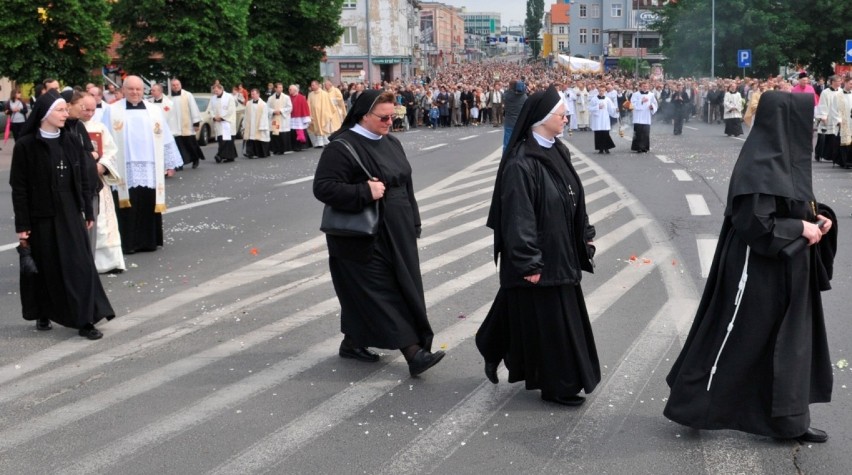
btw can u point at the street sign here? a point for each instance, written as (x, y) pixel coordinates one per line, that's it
(744, 58)
(849, 51)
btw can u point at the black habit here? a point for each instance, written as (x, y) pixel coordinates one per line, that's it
(775, 361)
(377, 279)
(50, 198)
(541, 331)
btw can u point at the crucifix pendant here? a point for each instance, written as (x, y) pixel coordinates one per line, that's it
(61, 167)
(571, 192)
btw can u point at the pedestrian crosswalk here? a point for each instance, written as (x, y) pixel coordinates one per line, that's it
(176, 389)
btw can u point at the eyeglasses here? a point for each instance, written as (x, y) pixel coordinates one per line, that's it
(383, 118)
(564, 115)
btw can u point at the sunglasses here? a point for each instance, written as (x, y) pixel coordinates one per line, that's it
(383, 118)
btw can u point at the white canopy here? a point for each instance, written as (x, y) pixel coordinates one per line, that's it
(580, 65)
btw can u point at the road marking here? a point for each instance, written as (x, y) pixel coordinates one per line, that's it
(682, 175)
(495, 131)
(468, 138)
(432, 147)
(196, 204)
(664, 159)
(697, 205)
(298, 180)
(175, 209)
(737, 138)
(458, 198)
(690, 128)
(706, 251)
(467, 184)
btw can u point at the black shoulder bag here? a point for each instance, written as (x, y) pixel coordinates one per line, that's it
(362, 223)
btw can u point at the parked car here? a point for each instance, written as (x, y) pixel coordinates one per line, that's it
(205, 131)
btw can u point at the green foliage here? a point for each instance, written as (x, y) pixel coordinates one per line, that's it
(197, 41)
(30, 42)
(778, 33)
(532, 25)
(287, 39)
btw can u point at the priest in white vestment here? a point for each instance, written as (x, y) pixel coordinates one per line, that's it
(601, 110)
(256, 135)
(184, 119)
(582, 105)
(280, 107)
(223, 109)
(325, 118)
(146, 154)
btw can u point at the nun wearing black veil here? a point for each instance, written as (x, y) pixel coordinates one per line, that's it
(757, 354)
(538, 324)
(377, 279)
(50, 197)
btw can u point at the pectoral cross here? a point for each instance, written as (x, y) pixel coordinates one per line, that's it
(571, 192)
(61, 167)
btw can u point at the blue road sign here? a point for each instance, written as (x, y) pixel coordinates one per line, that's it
(849, 51)
(744, 58)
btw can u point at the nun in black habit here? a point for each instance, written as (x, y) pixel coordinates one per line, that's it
(377, 279)
(757, 353)
(538, 324)
(50, 200)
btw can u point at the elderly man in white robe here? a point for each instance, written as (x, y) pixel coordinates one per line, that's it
(601, 110)
(280, 106)
(570, 99)
(108, 255)
(256, 136)
(184, 119)
(223, 109)
(146, 155)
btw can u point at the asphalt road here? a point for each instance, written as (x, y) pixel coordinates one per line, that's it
(223, 358)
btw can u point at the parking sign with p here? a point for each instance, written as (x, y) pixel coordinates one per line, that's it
(744, 58)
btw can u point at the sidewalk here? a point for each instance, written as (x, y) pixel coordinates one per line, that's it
(6, 154)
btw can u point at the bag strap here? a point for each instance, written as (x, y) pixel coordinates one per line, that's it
(357, 158)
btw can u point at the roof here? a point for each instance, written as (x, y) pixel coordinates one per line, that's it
(560, 14)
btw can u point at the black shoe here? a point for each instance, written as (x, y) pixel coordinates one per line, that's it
(360, 354)
(491, 372)
(424, 360)
(179, 169)
(43, 325)
(90, 332)
(218, 159)
(194, 165)
(812, 435)
(606, 151)
(574, 400)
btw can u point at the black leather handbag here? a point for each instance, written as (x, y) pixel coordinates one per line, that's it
(362, 223)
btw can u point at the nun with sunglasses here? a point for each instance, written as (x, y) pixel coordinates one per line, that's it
(53, 209)
(538, 324)
(377, 278)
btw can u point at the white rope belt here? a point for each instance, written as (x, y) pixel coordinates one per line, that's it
(737, 300)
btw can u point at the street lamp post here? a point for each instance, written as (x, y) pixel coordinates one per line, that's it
(713, 40)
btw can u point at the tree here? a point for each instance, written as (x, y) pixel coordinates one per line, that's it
(197, 41)
(287, 39)
(39, 39)
(535, 13)
(771, 29)
(825, 41)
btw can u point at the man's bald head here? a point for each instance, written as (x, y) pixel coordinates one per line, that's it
(133, 89)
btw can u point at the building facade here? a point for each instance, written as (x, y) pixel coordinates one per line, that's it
(606, 30)
(481, 23)
(380, 42)
(441, 35)
(559, 27)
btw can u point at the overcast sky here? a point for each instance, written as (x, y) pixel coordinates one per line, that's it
(512, 11)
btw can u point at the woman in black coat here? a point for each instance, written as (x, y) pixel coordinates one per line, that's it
(50, 197)
(377, 278)
(538, 324)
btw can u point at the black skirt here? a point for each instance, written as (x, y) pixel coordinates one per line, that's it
(140, 227)
(72, 293)
(227, 149)
(544, 336)
(189, 149)
(641, 138)
(603, 141)
(734, 127)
